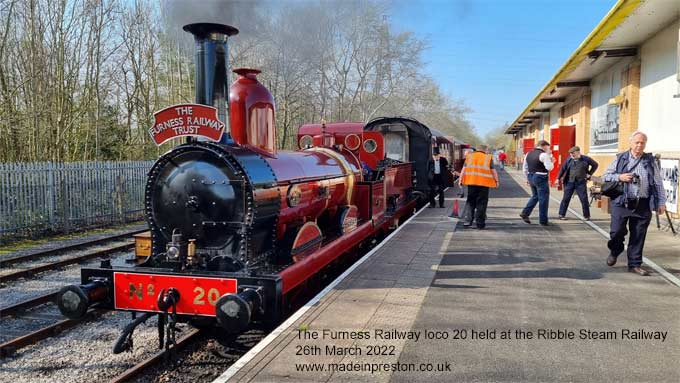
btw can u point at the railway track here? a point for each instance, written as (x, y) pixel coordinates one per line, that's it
(50, 252)
(27, 304)
(29, 272)
(24, 318)
(9, 347)
(142, 366)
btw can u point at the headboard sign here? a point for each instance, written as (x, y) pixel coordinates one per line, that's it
(186, 120)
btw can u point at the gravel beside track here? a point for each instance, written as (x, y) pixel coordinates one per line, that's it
(61, 257)
(57, 243)
(82, 354)
(16, 291)
(31, 320)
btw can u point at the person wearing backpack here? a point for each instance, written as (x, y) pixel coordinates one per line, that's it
(643, 192)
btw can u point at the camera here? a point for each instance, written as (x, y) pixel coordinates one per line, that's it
(636, 178)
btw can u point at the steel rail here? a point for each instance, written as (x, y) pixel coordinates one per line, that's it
(27, 304)
(141, 366)
(8, 348)
(65, 262)
(46, 253)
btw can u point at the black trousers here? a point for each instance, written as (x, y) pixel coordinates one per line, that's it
(580, 188)
(636, 216)
(437, 186)
(477, 200)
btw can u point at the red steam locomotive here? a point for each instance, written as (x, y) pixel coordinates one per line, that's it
(238, 228)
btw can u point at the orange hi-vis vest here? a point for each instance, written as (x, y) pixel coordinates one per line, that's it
(477, 170)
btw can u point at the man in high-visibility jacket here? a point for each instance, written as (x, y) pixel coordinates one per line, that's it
(479, 175)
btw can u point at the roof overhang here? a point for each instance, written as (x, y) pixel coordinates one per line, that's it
(618, 35)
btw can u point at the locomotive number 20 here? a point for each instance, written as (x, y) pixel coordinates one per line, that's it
(213, 296)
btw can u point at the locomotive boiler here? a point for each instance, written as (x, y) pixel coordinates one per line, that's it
(237, 227)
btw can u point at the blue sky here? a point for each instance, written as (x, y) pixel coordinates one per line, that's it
(497, 54)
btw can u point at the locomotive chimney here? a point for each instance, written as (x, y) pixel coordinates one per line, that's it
(212, 68)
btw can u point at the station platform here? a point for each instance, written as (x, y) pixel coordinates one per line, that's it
(511, 303)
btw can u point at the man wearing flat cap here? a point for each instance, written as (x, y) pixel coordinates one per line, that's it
(574, 174)
(437, 177)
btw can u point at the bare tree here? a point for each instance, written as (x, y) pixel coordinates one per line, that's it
(81, 79)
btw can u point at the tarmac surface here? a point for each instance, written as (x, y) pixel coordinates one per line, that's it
(510, 303)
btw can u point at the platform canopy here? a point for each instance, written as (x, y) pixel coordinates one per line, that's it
(619, 34)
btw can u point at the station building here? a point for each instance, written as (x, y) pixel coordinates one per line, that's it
(623, 77)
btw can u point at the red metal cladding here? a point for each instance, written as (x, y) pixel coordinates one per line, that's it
(338, 129)
(398, 179)
(372, 148)
(299, 272)
(378, 201)
(307, 241)
(186, 120)
(252, 112)
(198, 295)
(528, 145)
(352, 141)
(298, 166)
(311, 182)
(363, 200)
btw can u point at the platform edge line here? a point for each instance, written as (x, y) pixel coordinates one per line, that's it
(670, 277)
(241, 362)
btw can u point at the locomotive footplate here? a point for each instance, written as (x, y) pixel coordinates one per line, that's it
(199, 292)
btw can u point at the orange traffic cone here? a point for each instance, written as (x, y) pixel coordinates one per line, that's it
(454, 209)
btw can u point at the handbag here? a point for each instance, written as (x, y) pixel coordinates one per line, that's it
(614, 189)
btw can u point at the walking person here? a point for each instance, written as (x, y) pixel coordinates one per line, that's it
(479, 175)
(502, 157)
(537, 164)
(574, 174)
(439, 167)
(643, 192)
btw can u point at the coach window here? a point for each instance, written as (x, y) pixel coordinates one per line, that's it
(396, 146)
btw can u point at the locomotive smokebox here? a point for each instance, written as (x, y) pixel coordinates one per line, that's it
(212, 67)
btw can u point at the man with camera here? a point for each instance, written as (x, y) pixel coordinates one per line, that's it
(643, 192)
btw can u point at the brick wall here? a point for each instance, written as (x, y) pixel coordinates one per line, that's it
(629, 109)
(583, 127)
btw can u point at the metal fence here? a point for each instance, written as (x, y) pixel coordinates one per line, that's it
(42, 196)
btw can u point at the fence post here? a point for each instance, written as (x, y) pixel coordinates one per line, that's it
(65, 208)
(51, 194)
(119, 197)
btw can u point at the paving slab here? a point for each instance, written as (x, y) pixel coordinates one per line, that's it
(511, 303)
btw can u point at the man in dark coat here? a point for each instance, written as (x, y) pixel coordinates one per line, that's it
(574, 174)
(438, 168)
